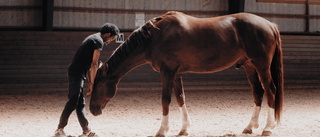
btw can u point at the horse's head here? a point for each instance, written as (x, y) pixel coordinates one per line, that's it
(107, 77)
(104, 89)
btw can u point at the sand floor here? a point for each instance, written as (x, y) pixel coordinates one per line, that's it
(212, 113)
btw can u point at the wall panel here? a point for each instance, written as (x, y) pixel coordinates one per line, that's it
(20, 2)
(291, 16)
(44, 57)
(20, 13)
(276, 8)
(314, 11)
(289, 24)
(122, 12)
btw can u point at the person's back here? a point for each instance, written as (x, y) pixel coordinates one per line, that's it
(81, 61)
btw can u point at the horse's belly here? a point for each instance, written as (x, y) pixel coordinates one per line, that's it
(196, 59)
(207, 68)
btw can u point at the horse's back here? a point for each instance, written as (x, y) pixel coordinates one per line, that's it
(177, 24)
(179, 19)
(195, 44)
(207, 44)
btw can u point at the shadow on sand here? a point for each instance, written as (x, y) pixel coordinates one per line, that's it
(226, 135)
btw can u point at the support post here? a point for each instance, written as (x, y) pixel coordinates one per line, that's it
(47, 15)
(236, 6)
(307, 16)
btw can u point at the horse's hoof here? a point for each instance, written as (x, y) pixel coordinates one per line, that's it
(159, 135)
(183, 133)
(247, 131)
(266, 133)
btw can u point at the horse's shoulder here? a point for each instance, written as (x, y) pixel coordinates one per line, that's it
(173, 13)
(168, 15)
(171, 18)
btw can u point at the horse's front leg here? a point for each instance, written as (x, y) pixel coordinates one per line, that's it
(179, 93)
(167, 78)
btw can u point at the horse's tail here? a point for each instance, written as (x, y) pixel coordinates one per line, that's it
(277, 75)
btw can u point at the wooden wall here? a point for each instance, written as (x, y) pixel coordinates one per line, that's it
(290, 16)
(84, 13)
(92, 14)
(35, 61)
(20, 13)
(315, 18)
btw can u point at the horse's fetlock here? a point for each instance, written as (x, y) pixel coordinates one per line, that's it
(247, 131)
(183, 133)
(266, 133)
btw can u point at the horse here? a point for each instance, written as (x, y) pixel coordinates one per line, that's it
(175, 43)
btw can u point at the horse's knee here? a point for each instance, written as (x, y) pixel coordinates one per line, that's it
(180, 99)
(166, 100)
(271, 95)
(180, 103)
(165, 105)
(268, 87)
(258, 101)
(258, 93)
(178, 90)
(254, 82)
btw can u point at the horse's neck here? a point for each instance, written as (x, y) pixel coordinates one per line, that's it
(129, 55)
(117, 71)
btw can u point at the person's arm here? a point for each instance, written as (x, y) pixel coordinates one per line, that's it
(93, 70)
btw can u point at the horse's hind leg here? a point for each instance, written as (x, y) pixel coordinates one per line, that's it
(269, 87)
(258, 92)
(179, 93)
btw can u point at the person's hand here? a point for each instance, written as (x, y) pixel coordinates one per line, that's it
(90, 88)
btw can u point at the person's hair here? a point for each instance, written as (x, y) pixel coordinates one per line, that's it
(109, 28)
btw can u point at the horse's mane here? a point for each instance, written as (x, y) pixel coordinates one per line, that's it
(137, 39)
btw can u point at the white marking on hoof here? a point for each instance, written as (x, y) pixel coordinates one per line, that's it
(164, 127)
(267, 131)
(254, 122)
(185, 120)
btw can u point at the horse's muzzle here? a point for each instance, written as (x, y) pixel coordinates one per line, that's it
(95, 110)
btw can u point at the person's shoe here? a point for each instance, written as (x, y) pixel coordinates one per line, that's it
(89, 134)
(59, 133)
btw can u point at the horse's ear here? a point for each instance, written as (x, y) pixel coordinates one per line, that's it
(150, 24)
(100, 64)
(106, 67)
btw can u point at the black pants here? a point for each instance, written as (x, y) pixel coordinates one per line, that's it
(76, 102)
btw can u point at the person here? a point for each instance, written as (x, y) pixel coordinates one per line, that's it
(85, 60)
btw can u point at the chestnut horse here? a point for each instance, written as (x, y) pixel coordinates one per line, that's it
(175, 43)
